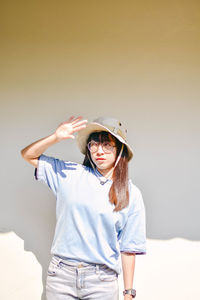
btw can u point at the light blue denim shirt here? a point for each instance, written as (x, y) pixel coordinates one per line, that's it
(87, 228)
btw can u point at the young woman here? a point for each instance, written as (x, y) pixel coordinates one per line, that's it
(100, 212)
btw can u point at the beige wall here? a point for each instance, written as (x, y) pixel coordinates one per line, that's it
(135, 60)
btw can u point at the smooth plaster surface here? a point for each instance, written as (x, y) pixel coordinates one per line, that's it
(133, 60)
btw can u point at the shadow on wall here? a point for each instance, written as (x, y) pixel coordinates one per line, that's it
(21, 272)
(148, 51)
(29, 212)
(25, 265)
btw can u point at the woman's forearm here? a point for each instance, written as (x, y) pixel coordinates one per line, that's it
(128, 267)
(64, 131)
(35, 149)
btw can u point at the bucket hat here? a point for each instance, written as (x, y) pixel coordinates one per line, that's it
(110, 125)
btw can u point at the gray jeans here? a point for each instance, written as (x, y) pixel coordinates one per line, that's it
(68, 280)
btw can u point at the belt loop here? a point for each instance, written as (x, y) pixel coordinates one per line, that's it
(97, 269)
(58, 263)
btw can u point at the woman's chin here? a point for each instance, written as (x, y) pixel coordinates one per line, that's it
(104, 168)
(101, 164)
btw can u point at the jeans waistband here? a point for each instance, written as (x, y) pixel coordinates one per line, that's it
(77, 264)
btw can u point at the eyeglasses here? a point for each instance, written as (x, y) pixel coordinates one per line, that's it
(106, 146)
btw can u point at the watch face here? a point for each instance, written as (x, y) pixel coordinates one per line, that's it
(131, 292)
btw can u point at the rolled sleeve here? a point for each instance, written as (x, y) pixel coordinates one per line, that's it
(133, 236)
(47, 171)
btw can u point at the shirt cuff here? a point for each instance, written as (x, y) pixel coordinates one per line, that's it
(40, 169)
(133, 252)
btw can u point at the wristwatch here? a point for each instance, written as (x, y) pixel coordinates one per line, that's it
(131, 292)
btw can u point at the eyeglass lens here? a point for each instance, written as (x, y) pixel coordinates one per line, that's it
(106, 146)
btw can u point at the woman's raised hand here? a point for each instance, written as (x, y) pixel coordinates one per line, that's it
(66, 129)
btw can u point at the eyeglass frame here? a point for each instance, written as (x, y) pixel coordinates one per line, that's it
(99, 143)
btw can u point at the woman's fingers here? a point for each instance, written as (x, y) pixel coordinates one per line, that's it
(71, 136)
(76, 119)
(79, 128)
(77, 124)
(70, 119)
(74, 124)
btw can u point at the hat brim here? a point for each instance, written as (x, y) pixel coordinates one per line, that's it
(84, 134)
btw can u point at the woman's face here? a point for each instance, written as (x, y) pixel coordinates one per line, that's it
(103, 153)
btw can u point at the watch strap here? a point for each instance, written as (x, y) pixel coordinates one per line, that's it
(131, 292)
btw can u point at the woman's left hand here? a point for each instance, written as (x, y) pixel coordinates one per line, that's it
(128, 297)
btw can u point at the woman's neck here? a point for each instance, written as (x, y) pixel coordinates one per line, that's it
(107, 173)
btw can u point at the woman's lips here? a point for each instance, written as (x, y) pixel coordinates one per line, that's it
(100, 158)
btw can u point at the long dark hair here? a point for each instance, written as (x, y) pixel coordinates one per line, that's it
(118, 194)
